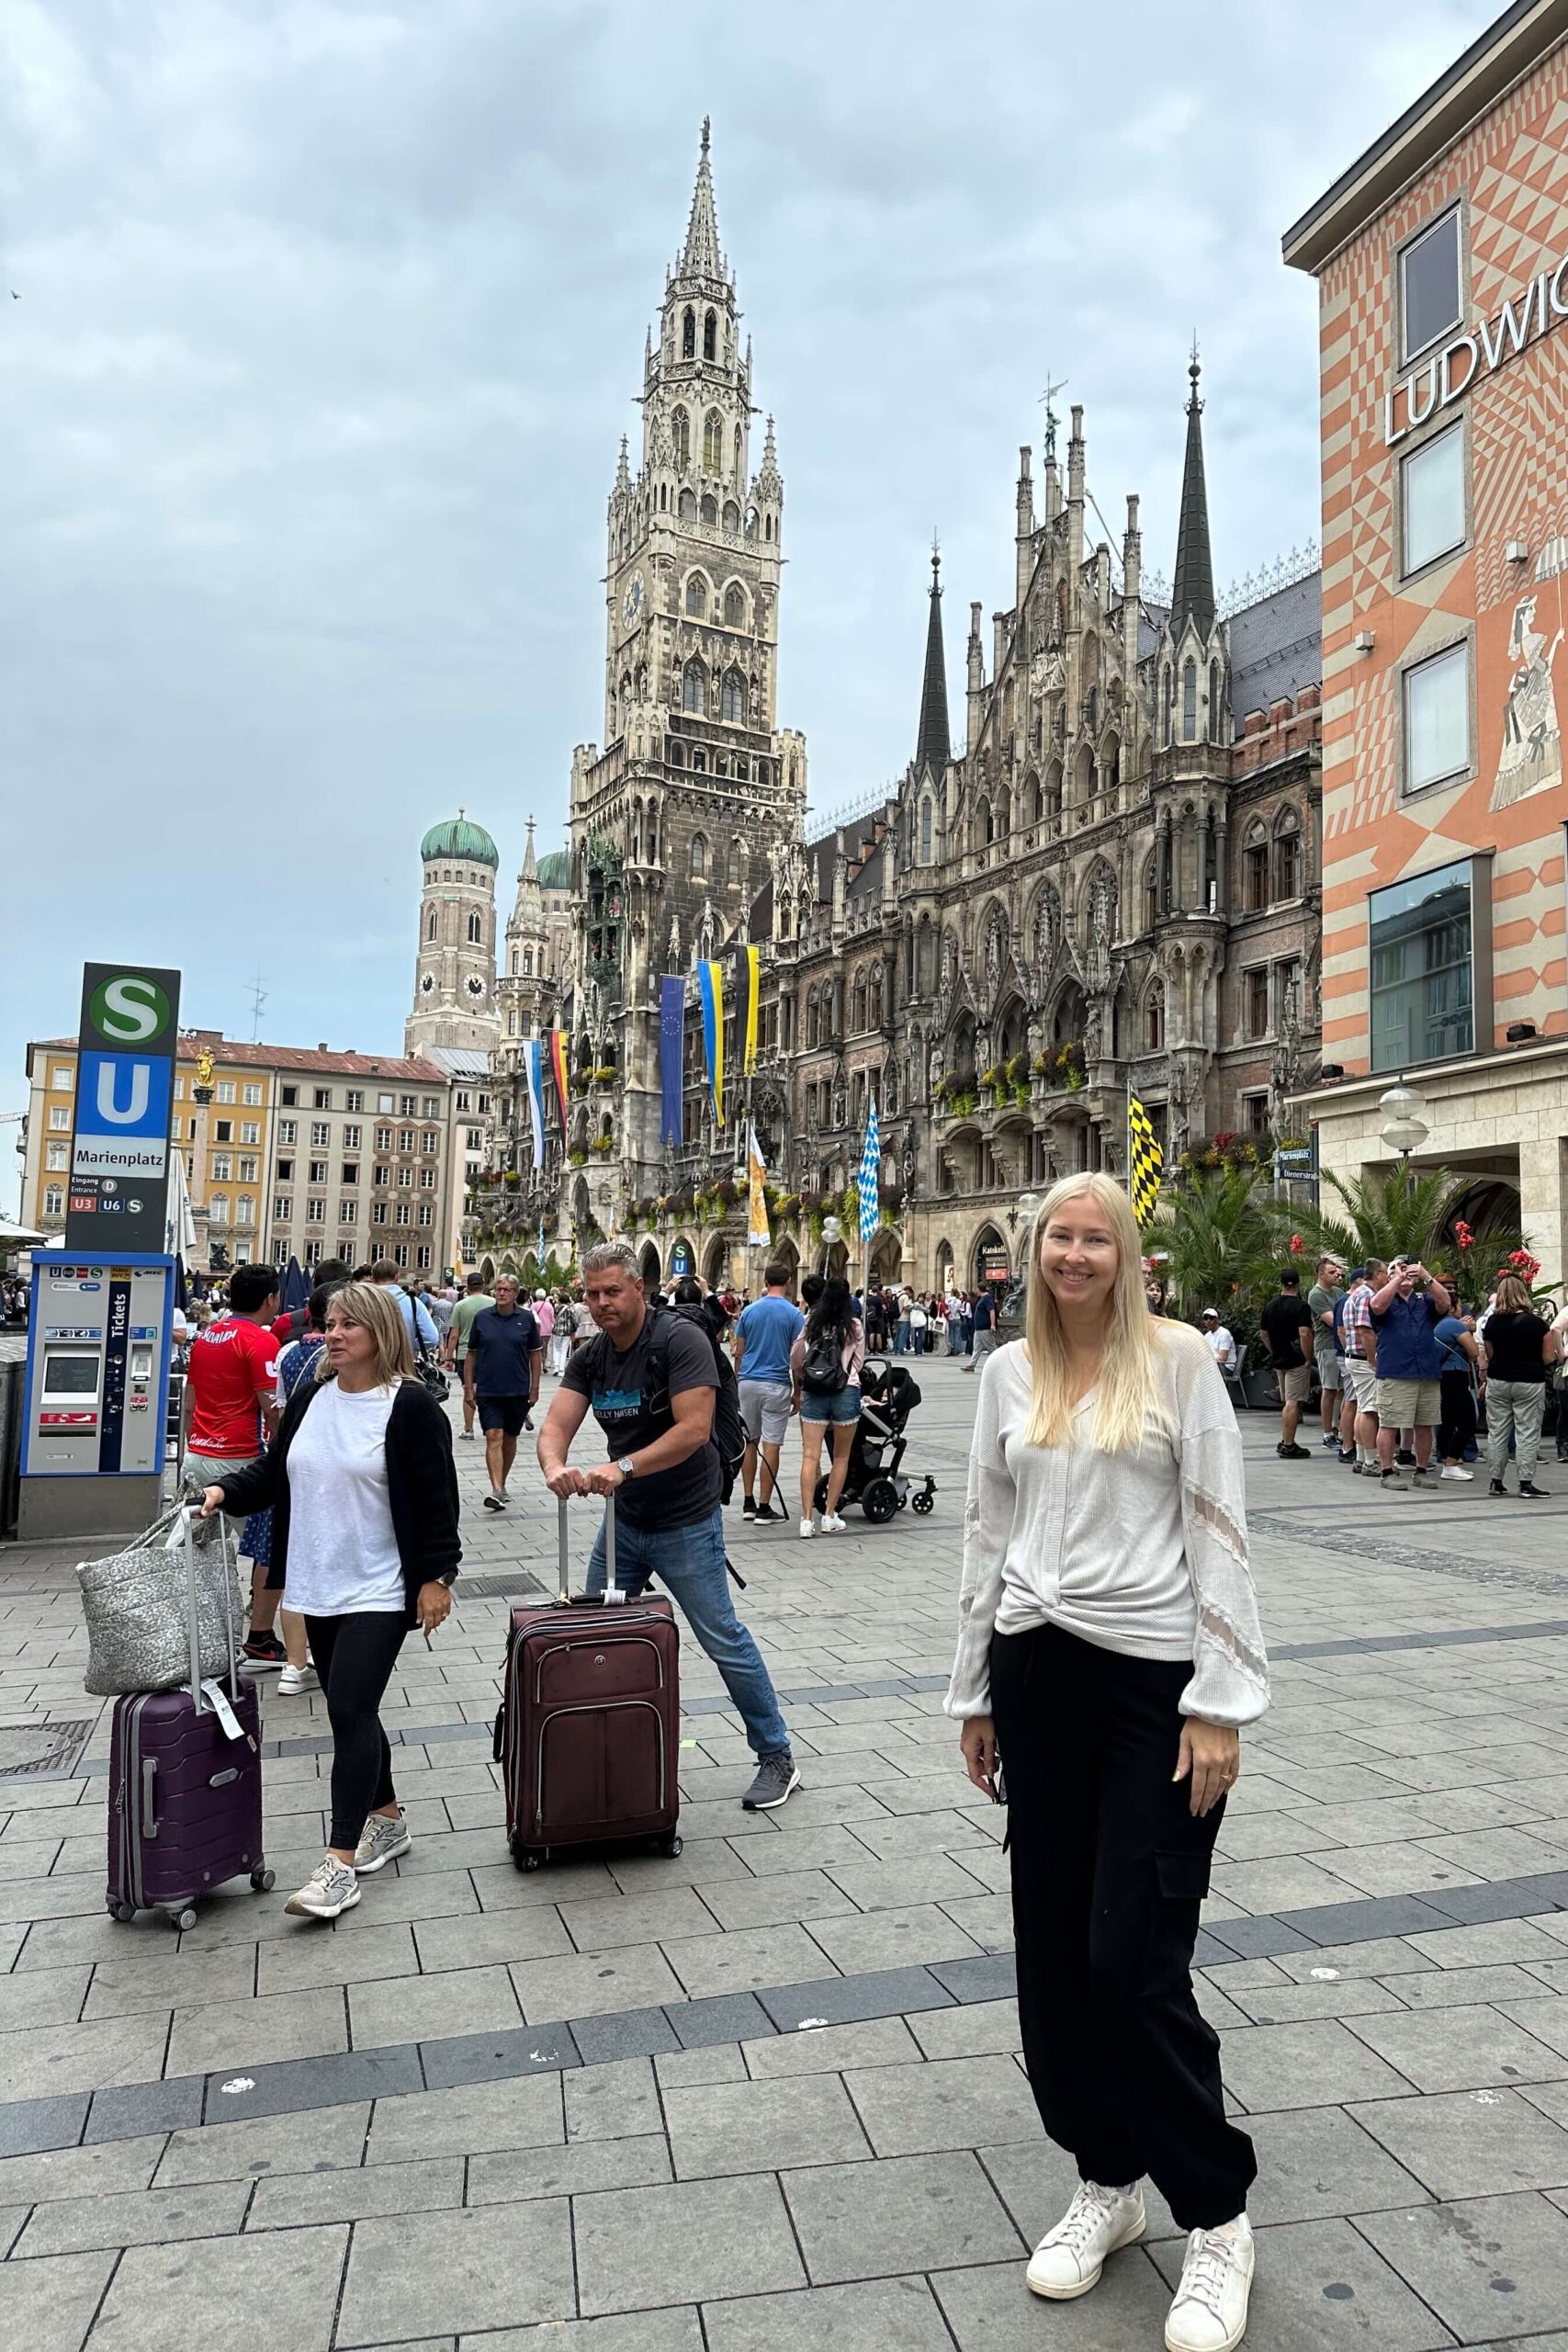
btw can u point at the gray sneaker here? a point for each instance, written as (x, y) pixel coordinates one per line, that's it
(331, 1888)
(777, 1777)
(383, 1841)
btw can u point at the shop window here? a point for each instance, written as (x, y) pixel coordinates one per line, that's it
(1425, 967)
(1429, 292)
(1431, 495)
(1436, 718)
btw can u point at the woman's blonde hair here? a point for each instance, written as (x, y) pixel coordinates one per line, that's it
(1514, 1296)
(1127, 1395)
(375, 1311)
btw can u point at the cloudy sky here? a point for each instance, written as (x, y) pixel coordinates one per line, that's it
(329, 317)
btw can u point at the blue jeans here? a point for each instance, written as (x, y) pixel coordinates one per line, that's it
(689, 1563)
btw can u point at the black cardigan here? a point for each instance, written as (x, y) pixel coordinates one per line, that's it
(422, 1485)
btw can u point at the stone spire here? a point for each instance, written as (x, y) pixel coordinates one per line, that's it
(530, 863)
(1192, 590)
(622, 470)
(770, 481)
(701, 256)
(933, 745)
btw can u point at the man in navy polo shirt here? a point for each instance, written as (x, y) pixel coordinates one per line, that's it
(1406, 1312)
(506, 1352)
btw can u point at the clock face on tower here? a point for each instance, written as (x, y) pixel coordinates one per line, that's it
(427, 985)
(631, 603)
(474, 985)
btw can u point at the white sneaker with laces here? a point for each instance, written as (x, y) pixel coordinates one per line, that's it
(1209, 2311)
(331, 1888)
(1068, 2259)
(833, 1525)
(295, 1680)
(1452, 1470)
(808, 1529)
(383, 1840)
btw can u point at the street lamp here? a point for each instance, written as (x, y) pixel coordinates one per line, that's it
(1404, 1128)
(1024, 1211)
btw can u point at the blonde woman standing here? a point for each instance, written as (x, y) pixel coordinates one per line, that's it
(364, 1497)
(1109, 1653)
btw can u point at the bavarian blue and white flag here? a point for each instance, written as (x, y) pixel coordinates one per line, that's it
(870, 1176)
(533, 1070)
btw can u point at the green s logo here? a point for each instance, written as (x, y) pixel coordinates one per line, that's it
(129, 1009)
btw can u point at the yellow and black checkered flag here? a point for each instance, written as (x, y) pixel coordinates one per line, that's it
(1146, 1161)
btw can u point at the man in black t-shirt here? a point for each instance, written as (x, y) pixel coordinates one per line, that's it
(649, 1378)
(1285, 1329)
(506, 1352)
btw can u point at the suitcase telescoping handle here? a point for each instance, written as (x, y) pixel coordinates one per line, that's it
(612, 1592)
(230, 1565)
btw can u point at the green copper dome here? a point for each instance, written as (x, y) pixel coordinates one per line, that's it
(458, 838)
(555, 871)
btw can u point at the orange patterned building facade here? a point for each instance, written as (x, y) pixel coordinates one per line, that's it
(1441, 257)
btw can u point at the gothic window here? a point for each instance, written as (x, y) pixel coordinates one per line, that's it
(731, 519)
(699, 763)
(1111, 765)
(515, 963)
(626, 693)
(1190, 702)
(694, 687)
(1213, 702)
(710, 336)
(738, 457)
(475, 930)
(652, 835)
(1034, 806)
(734, 607)
(709, 509)
(1007, 707)
(1083, 776)
(767, 526)
(529, 963)
(873, 1007)
(642, 682)
(1255, 871)
(713, 442)
(926, 830)
(699, 857)
(1150, 893)
(734, 872)
(751, 522)
(1153, 1019)
(1053, 795)
(430, 924)
(813, 1020)
(857, 1002)
(1167, 702)
(1288, 856)
(688, 510)
(698, 597)
(676, 753)
(681, 427)
(1091, 711)
(732, 697)
(742, 768)
(980, 833)
(688, 333)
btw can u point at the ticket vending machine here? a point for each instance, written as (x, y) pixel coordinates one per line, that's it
(96, 1393)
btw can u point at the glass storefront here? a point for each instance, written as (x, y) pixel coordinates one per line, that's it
(1423, 967)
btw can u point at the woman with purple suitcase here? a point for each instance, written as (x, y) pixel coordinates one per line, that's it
(364, 1495)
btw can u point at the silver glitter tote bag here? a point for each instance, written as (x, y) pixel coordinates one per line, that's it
(137, 1605)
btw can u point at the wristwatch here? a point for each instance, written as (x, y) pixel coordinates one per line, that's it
(448, 1578)
(627, 1466)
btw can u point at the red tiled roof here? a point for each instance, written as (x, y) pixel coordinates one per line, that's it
(241, 1053)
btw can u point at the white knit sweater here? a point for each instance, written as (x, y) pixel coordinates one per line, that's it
(1143, 1553)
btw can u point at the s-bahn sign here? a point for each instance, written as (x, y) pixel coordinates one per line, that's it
(1450, 373)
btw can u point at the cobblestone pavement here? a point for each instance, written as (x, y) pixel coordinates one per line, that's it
(766, 2094)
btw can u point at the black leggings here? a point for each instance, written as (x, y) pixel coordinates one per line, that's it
(355, 1657)
(1457, 1429)
(1109, 1871)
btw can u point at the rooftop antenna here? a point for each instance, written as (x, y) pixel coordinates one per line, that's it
(258, 998)
(1049, 397)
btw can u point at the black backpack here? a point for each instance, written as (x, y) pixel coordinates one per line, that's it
(823, 1374)
(728, 1431)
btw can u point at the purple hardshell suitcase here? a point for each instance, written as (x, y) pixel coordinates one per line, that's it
(185, 1789)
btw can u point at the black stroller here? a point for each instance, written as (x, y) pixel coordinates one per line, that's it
(888, 1395)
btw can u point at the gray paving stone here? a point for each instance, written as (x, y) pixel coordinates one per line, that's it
(629, 2033)
(613, 2101)
(918, 1933)
(892, 1992)
(1445, 1989)
(426, 2185)
(126, 2114)
(1471, 2144)
(1249, 1939)
(767, 2125)
(990, 2309)
(79, 2171)
(716, 2062)
(49, 2306)
(227, 2291)
(690, 2243)
(454, 2272)
(1320, 2063)
(513, 2173)
(1344, 1923)
(1318, 2285)
(1488, 1942)
(295, 2083)
(979, 2030)
(904, 2213)
(320, 2142)
(993, 1978)
(676, 2330)
(231, 2035)
(1463, 2049)
(750, 1958)
(136, 2217)
(171, 1978)
(782, 1900)
(27, 2125)
(824, 2050)
(655, 1916)
(1486, 2262)
(458, 2001)
(876, 2315)
(947, 2103)
(521, 2111)
(594, 1983)
(41, 1996)
(727, 2017)
(495, 2057)
(82, 2057)
(531, 1933)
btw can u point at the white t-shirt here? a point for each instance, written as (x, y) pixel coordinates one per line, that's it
(343, 1552)
(1221, 1346)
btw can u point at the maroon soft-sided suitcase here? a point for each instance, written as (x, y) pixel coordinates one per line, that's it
(589, 1731)
(185, 1789)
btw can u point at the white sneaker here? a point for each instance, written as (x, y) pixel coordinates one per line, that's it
(1068, 2259)
(296, 1679)
(808, 1529)
(1452, 1470)
(1209, 2311)
(383, 1841)
(833, 1525)
(331, 1888)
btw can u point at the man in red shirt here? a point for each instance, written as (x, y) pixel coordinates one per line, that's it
(231, 1390)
